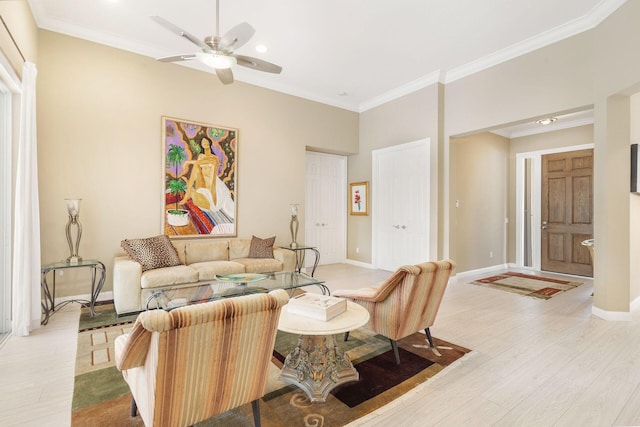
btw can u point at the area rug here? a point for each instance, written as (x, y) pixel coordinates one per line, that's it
(528, 285)
(102, 398)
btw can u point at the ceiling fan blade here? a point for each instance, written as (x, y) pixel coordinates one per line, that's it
(225, 75)
(180, 32)
(237, 36)
(176, 58)
(258, 64)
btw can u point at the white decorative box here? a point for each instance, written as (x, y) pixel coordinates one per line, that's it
(316, 306)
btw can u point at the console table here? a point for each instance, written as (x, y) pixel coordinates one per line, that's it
(317, 364)
(48, 302)
(300, 254)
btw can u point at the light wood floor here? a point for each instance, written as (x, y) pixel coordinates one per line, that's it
(535, 363)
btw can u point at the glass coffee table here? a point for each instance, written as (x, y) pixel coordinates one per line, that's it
(230, 285)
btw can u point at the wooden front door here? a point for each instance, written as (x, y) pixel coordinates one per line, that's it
(567, 212)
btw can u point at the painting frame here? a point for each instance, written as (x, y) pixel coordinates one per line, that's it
(359, 198)
(200, 179)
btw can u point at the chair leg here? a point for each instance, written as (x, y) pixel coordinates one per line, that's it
(134, 408)
(432, 345)
(346, 336)
(429, 338)
(255, 405)
(394, 346)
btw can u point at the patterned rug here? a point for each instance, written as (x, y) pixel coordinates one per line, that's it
(528, 285)
(102, 398)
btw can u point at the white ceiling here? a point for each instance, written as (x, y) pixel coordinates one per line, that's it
(354, 54)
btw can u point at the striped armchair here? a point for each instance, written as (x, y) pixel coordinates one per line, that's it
(406, 302)
(192, 363)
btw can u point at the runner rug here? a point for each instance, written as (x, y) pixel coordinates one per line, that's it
(102, 398)
(528, 285)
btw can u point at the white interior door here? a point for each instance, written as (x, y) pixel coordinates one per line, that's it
(401, 179)
(325, 207)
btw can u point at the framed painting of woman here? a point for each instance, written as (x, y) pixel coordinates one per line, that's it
(200, 170)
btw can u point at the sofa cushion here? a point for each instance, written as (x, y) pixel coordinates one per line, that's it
(259, 265)
(212, 250)
(152, 252)
(208, 270)
(168, 276)
(261, 248)
(239, 248)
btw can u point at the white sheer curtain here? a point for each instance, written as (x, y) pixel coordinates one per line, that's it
(26, 233)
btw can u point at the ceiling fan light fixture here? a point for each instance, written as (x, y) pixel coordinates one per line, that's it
(219, 62)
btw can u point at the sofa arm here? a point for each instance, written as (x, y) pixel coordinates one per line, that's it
(127, 276)
(286, 257)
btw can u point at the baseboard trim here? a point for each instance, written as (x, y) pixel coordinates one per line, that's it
(618, 316)
(485, 270)
(104, 296)
(359, 264)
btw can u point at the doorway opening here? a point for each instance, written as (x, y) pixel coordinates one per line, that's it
(528, 205)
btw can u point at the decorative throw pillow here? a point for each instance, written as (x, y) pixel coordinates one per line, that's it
(261, 248)
(152, 252)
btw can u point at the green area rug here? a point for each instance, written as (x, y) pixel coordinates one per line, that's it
(102, 398)
(527, 284)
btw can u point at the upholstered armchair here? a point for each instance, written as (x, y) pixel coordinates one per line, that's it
(405, 303)
(192, 363)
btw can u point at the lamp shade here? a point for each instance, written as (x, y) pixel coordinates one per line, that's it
(73, 206)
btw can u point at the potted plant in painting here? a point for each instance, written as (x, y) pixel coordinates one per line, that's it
(176, 186)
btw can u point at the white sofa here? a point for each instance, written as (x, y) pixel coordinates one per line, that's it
(202, 260)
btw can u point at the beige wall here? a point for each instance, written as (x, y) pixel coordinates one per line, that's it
(617, 76)
(113, 100)
(597, 68)
(545, 141)
(22, 28)
(634, 207)
(478, 200)
(409, 118)
(99, 132)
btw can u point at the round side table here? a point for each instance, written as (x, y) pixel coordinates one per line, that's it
(317, 364)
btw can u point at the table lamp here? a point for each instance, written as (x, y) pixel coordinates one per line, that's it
(293, 225)
(73, 207)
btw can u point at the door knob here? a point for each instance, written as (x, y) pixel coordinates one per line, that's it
(403, 227)
(544, 227)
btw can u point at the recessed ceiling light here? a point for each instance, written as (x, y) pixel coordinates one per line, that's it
(261, 48)
(546, 121)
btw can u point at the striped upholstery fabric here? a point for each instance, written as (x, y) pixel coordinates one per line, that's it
(407, 302)
(194, 362)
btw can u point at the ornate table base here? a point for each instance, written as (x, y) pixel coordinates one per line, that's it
(317, 365)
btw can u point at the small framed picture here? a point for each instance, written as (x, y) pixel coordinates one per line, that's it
(359, 198)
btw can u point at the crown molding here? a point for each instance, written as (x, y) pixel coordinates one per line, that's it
(589, 21)
(544, 129)
(597, 14)
(400, 91)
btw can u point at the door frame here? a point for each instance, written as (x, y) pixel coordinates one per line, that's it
(376, 201)
(536, 196)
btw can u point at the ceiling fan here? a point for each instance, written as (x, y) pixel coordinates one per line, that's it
(217, 52)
